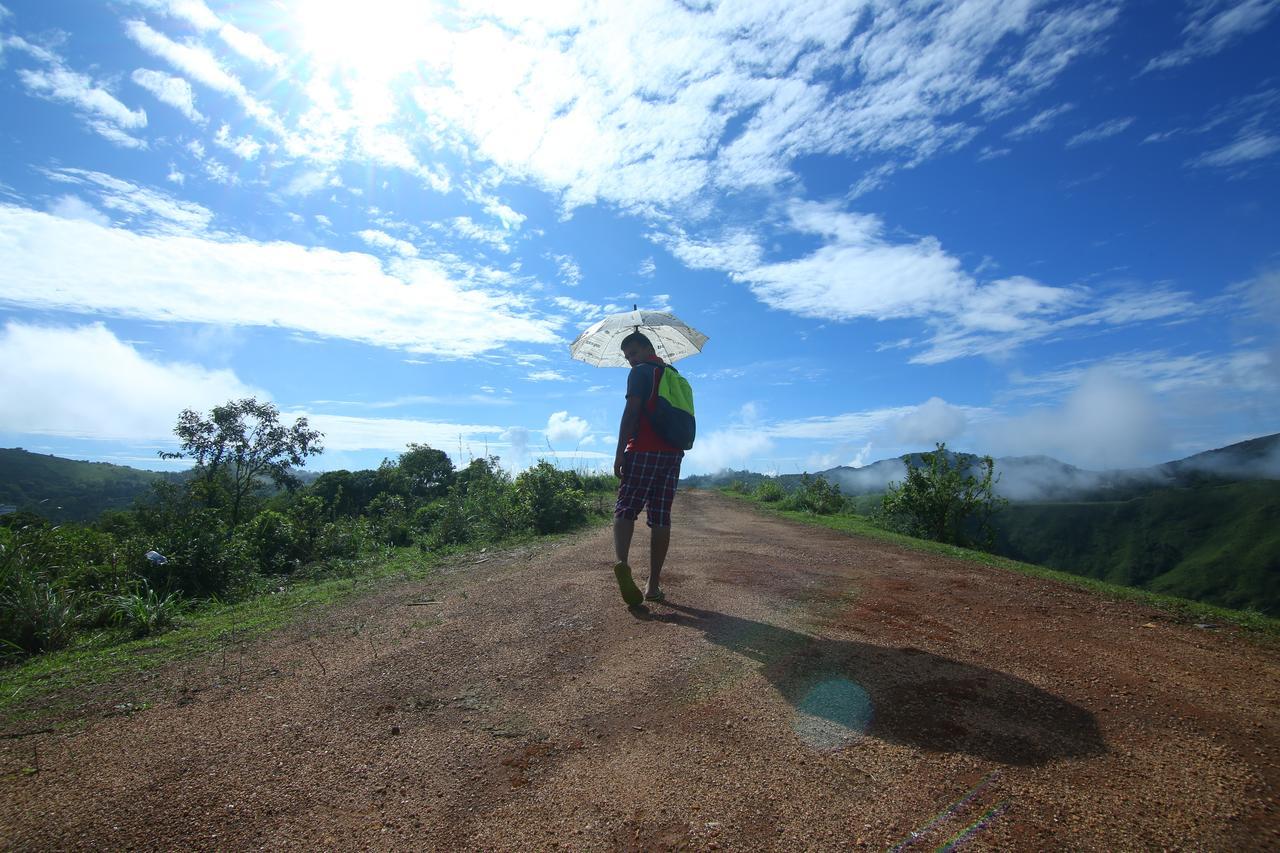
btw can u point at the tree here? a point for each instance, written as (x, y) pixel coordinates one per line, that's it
(941, 494)
(240, 443)
(428, 472)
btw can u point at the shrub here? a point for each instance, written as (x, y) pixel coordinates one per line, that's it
(940, 498)
(270, 540)
(145, 613)
(769, 491)
(36, 616)
(738, 487)
(816, 495)
(389, 519)
(552, 499)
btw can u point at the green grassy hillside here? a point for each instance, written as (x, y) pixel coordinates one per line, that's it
(66, 489)
(1214, 543)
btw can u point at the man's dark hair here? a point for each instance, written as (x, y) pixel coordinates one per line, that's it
(635, 338)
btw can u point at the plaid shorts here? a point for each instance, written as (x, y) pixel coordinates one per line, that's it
(648, 477)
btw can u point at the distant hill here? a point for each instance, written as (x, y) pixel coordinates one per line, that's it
(1218, 543)
(67, 489)
(1043, 478)
(1206, 527)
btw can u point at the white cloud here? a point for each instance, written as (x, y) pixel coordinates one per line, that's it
(631, 103)
(586, 310)
(859, 272)
(349, 433)
(931, 422)
(84, 382)
(570, 272)
(547, 376)
(199, 64)
(1213, 25)
(727, 448)
(1108, 421)
(567, 429)
(410, 304)
(101, 111)
(1106, 130)
(1040, 122)
(174, 91)
(74, 207)
(383, 240)
(647, 267)
(1249, 146)
(148, 210)
(244, 147)
(465, 226)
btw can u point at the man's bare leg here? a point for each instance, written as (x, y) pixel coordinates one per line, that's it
(659, 542)
(622, 530)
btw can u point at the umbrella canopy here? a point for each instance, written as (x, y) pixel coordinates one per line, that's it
(672, 338)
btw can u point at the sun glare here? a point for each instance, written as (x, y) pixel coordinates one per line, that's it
(374, 38)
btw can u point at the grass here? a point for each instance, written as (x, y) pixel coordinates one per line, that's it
(1180, 609)
(214, 626)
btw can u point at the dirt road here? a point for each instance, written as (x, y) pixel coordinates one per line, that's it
(801, 690)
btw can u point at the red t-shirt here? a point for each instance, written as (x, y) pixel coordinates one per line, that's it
(640, 384)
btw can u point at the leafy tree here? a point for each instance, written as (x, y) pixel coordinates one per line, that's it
(428, 472)
(941, 498)
(241, 442)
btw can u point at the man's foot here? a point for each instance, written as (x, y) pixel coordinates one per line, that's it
(630, 592)
(656, 595)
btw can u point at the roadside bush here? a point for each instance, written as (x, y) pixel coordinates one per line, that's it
(36, 616)
(145, 613)
(389, 520)
(269, 537)
(738, 487)
(769, 492)
(815, 495)
(552, 499)
(940, 499)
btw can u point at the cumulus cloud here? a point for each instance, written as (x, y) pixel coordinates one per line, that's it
(412, 304)
(84, 382)
(565, 429)
(860, 272)
(727, 448)
(931, 422)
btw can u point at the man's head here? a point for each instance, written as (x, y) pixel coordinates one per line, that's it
(636, 348)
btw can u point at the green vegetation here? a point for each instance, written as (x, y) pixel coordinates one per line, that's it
(941, 499)
(1215, 543)
(241, 526)
(1178, 608)
(67, 490)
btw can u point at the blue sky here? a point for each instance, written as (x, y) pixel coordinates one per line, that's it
(1017, 227)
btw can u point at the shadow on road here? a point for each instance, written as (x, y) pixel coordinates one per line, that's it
(842, 690)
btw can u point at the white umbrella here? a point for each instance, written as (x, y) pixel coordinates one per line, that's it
(672, 338)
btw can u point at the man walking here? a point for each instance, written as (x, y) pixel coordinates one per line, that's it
(648, 467)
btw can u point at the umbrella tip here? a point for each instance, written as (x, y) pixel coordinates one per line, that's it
(635, 307)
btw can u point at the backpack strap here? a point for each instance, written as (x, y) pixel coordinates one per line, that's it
(653, 392)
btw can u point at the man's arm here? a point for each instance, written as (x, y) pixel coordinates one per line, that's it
(630, 424)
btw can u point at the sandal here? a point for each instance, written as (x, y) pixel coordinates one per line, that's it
(657, 597)
(630, 592)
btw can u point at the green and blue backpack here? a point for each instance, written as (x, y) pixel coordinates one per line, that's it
(670, 407)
